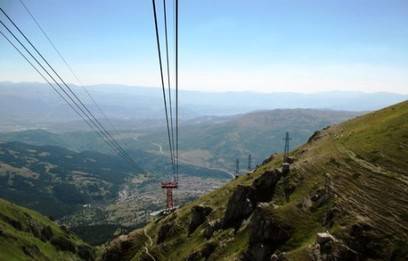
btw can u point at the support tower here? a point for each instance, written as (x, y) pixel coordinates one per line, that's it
(169, 186)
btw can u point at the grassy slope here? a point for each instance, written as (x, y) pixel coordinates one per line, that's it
(14, 238)
(364, 163)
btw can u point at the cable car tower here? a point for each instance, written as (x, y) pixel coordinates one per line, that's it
(169, 186)
(286, 163)
(172, 129)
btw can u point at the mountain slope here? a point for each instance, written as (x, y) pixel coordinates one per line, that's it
(345, 198)
(92, 193)
(27, 235)
(56, 181)
(219, 141)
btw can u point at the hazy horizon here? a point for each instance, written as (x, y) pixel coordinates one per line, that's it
(210, 91)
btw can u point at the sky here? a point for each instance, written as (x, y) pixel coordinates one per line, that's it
(229, 45)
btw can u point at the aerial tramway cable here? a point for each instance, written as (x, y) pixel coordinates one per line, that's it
(163, 85)
(60, 87)
(67, 64)
(168, 74)
(69, 89)
(171, 183)
(177, 83)
(76, 101)
(52, 86)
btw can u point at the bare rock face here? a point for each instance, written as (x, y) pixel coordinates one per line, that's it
(245, 198)
(198, 216)
(268, 232)
(264, 186)
(239, 206)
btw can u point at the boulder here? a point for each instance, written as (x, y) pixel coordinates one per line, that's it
(325, 237)
(318, 198)
(240, 206)
(198, 216)
(328, 248)
(278, 256)
(267, 233)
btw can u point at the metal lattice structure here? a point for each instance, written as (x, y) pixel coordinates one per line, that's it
(237, 168)
(169, 186)
(286, 149)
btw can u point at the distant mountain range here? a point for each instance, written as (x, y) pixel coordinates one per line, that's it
(219, 141)
(209, 142)
(34, 105)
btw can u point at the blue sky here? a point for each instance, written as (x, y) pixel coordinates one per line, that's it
(262, 45)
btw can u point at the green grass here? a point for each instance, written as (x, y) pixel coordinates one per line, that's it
(12, 240)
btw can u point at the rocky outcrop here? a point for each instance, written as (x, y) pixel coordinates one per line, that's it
(278, 256)
(264, 186)
(198, 216)
(211, 228)
(239, 206)
(268, 232)
(244, 199)
(328, 248)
